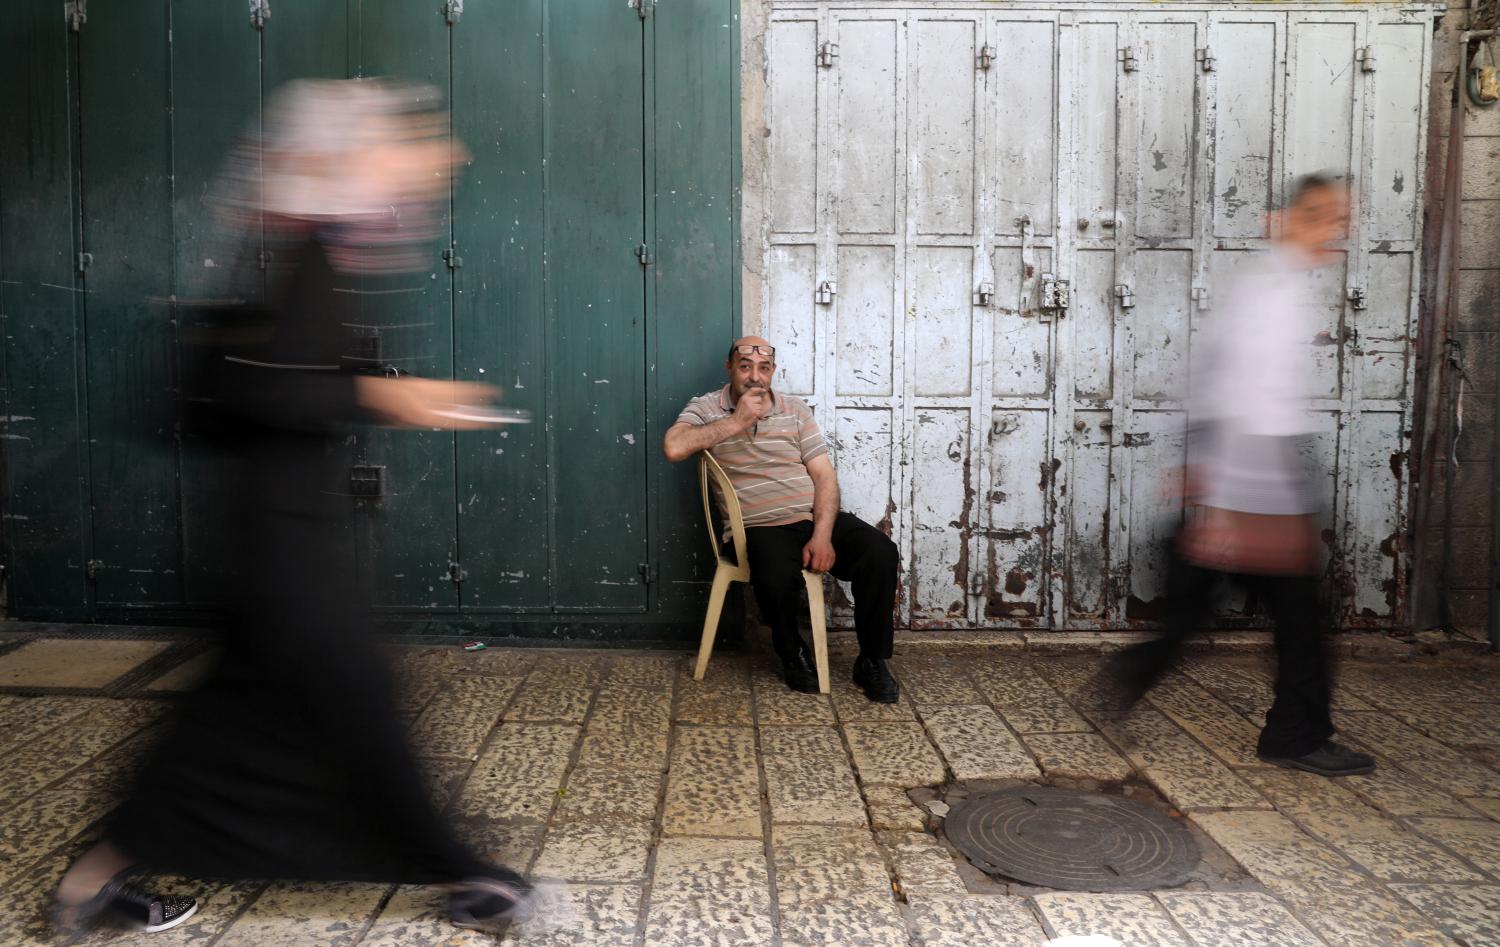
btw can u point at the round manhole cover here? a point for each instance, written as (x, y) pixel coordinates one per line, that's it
(1076, 841)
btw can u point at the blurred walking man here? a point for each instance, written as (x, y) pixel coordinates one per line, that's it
(776, 457)
(1251, 512)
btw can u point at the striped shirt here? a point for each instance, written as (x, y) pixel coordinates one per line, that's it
(767, 463)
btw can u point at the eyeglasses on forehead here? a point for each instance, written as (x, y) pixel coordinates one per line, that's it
(767, 350)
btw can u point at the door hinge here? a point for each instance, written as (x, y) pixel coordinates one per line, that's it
(827, 53)
(260, 12)
(643, 8)
(645, 255)
(647, 572)
(1365, 56)
(1202, 297)
(91, 570)
(367, 481)
(1357, 298)
(1124, 295)
(84, 261)
(1057, 295)
(76, 12)
(986, 56)
(264, 259)
(456, 573)
(451, 257)
(1127, 58)
(452, 10)
(825, 292)
(985, 294)
(1205, 57)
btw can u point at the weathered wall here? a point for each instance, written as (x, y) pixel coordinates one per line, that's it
(1469, 480)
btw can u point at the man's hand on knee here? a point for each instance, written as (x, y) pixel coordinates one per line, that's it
(818, 555)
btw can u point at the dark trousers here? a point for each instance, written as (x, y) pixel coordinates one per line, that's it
(1298, 721)
(864, 556)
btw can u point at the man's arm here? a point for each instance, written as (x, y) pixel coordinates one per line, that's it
(683, 439)
(817, 555)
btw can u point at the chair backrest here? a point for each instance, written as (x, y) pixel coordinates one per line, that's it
(708, 468)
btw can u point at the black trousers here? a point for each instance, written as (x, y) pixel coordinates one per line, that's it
(1298, 721)
(864, 556)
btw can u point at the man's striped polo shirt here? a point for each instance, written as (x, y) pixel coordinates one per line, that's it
(767, 463)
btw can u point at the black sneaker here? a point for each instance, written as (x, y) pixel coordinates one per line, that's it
(1330, 759)
(875, 678)
(799, 672)
(489, 904)
(132, 907)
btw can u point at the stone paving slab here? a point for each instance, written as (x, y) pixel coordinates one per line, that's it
(833, 887)
(650, 671)
(1185, 772)
(722, 698)
(520, 772)
(969, 920)
(219, 904)
(1026, 701)
(1363, 915)
(1469, 913)
(891, 808)
(713, 785)
(30, 718)
(596, 794)
(296, 913)
(1399, 793)
(459, 718)
(1381, 845)
(1418, 753)
(544, 702)
(1134, 919)
(897, 754)
(1478, 840)
(187, 675)
(1245, 920)
(1213, 723)
(33, 828)
(710, 891)
(593, 851)
(778, 705)
(1078, 756)
(808, 777)
(417, 916)
(1489, 808)
(977, 744)
(1273, 849)
(51, 756)
(928, 681)
(65, 662)
(923, 865)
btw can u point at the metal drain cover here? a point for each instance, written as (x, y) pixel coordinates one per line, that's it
(1072, 840)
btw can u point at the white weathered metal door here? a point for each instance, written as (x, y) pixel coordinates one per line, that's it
(992, 235)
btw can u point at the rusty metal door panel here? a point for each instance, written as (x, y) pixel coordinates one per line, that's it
(938, 569)
(1247, 88)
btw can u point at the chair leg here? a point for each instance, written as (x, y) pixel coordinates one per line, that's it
(711, 622)
(819, 627)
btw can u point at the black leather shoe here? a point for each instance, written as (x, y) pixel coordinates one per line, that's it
(875, 678)
(1330, 759)
(800, 674)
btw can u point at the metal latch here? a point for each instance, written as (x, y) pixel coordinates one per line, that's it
(826, 291)
(451, 257)
(264, 259)
(644, 254)
(827, 53)
(1365, 55)
(1057, 295)
(452, 10)
(76, 12)
(647, 572)
(367, 480)
(91, 569)
(84, 261)
(260, 12)
(986, 56)
(1205, 59)
(985, 294)
(1201, 297)
(642, 7)
(456, 573)
(1124, 295)
(1127, 58)
(1357, 298)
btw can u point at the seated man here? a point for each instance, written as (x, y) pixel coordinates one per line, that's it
(776, 457)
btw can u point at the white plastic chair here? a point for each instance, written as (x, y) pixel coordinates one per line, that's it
(739, 571)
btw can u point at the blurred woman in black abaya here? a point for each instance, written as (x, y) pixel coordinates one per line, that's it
(290, 761)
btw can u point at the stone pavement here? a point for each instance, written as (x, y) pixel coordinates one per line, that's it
(734, 812)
